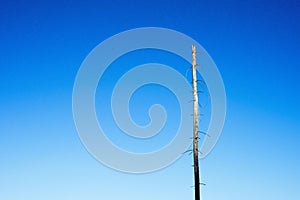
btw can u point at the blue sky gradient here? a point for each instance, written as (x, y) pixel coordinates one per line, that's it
(255, 45)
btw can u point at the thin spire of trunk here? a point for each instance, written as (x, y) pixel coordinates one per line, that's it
(195, 141)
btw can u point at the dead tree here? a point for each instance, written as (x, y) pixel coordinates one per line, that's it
(195, 127)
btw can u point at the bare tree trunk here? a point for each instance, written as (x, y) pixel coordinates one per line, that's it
(195, 142)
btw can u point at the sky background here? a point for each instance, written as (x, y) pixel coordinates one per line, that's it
(255, 45)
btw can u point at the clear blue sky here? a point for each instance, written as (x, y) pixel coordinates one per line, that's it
(255, 45)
